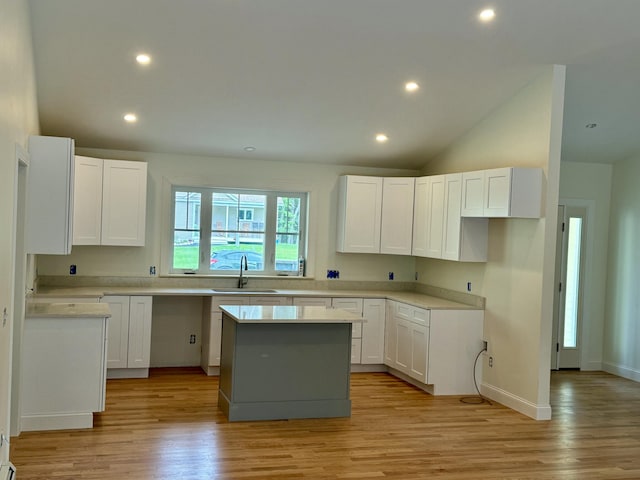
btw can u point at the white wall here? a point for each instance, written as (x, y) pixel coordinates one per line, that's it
(18, 118)
(320, 180)
(517, 280)
(622, 326)
(589, 185)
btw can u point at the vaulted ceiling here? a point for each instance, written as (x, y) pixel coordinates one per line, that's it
(316, 80)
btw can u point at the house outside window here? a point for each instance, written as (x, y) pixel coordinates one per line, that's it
(213, 228)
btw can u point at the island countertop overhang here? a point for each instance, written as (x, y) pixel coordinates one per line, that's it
(288, 314)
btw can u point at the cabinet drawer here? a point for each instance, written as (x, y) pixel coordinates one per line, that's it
(418, 315)
(216, 301)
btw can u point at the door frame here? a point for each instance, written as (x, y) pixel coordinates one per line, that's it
(584, 333)
(19, 282)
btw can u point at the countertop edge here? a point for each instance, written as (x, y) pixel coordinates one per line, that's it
(411, 298)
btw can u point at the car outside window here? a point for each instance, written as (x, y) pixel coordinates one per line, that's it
(213, 228)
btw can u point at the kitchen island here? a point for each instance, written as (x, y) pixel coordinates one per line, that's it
(283, 362)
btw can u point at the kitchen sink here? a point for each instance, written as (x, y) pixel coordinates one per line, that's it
(243, 290)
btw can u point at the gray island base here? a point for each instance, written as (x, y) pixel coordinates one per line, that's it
(285, 362)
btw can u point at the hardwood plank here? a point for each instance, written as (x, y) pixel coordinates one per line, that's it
(168, 426)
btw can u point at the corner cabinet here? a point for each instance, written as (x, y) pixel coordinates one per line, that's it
(129, 336)
(439, 231)
(375, 214)
(110, 202)
(502, 193)
(49, 191)
(435, 348)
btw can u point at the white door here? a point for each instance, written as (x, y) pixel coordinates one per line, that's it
(569, 286)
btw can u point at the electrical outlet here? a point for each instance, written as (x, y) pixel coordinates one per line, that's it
(72, 269)
(390, 275)
(491, 361)
(192, 339)
(4, 317)
(468, 286)
(152, 270)
(485, 346)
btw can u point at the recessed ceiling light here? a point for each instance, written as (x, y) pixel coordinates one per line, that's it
(381, 138)
(487, 15)
(130, 118)
(411, 86)
(143, 59)
(249, 149)
(591, 125)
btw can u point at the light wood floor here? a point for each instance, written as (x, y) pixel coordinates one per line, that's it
(168, 427)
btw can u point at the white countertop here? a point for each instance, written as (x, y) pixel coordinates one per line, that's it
(288, 314)
(71, 310)
(412, 298)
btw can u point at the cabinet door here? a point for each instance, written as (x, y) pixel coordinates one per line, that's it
(436, 190)
(451, 220)
(353, 305)
(215, 326)
(359, 214)
(215, 339)
(419, 352)
(472, 194)
(497, 192)
(420, 217)
(390, 335)
(124, 203)
(403, 346)
(356, 350)
(139, 350)
(49, 209)
(87, 201)
(396, 231)
(373, 332)
(117, 331)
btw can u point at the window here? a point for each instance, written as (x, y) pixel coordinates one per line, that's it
(214, 228)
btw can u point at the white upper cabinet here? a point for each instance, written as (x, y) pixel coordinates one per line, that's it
(420, 217)
(359, 214)
(463, 239)
(503, 192)
(439, 231)
(375, 215)
(110, 207)
(428, 211)
(49, 216)
(397, 215)
(87, 204)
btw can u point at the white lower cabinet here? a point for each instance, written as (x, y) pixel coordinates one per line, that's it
(434, 347)
(62, 371)
(129, 336)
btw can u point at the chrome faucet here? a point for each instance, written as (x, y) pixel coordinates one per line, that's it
(242, 281)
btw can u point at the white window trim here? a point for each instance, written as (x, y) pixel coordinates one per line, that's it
(205, 226)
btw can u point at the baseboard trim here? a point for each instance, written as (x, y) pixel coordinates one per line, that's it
(519, 404)
(593, 366)
(621, 371)
(127, 373)
(29, 423)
